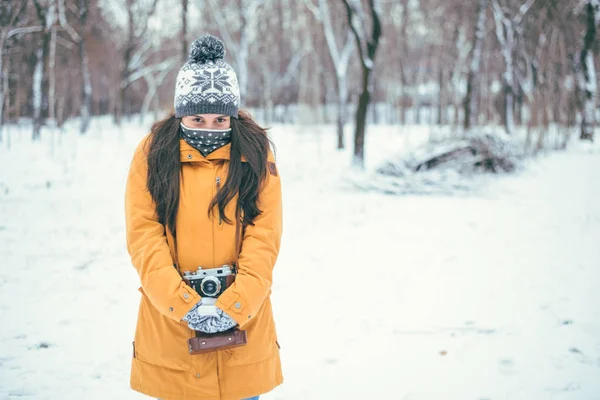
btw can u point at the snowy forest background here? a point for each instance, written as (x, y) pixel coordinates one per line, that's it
(446, 62)
(473, 205)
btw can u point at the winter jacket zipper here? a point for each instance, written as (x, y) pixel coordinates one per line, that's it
(218, 187)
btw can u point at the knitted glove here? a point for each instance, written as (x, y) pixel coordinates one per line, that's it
(207, 318)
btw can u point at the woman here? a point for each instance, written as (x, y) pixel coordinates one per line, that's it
(192, 178)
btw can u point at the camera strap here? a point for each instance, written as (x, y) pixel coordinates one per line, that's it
(172, 248)
(238, 242)
(238, 239)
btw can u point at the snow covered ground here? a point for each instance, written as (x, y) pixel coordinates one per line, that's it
(490, 295)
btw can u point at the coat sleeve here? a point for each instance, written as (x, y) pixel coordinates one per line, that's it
(260, 248)
(148, 248)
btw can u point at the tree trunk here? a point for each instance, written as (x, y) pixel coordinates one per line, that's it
(4, 114)
(47, 17)
(86, 93)
(519, 104)
(509, 122)
(150, 92)
(361, 119)
(183, 37)
(403, 56)
(3, 81)
(505, 34)
(441, 117)
(122, 109)
(367, 43)
(340, 66)
(86, 84)
(38, 78)
(122, 106)
(402, 105)
(342, 93)
(470, 102)
(242, 60)
(587, 74)
(52, 78)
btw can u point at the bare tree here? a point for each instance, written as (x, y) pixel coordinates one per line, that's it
(587, 84)
(8, 19)
(184, 30)
(402, 62)
(470, 102)
(367, 45)
(278, 74)
(74, 36)
(340, 61)
(506, 29)
(136, 50)
(245, 13)
(86, 92)
(160, 70)
(446, 20)
(46, 11)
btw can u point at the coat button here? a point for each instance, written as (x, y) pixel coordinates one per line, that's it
(189, 156)
(185, 296)
(171, 309)
(238, 305)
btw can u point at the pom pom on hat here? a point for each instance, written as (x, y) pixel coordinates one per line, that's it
(207, 48)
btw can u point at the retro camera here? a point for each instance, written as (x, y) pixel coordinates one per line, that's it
(210, 282)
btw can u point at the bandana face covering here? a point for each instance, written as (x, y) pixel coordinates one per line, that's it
(205, 140)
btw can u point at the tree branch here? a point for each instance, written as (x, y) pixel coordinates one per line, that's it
(138, 59)
(499, 22)
(357, 26)
(346, 52)
(376, 31)
(522, 11)
(329, 35)
(65, 24)
(24, 30)
(314, 10)
(150, 69)
(221, 23)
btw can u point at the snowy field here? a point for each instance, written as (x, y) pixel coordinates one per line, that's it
(483, 296)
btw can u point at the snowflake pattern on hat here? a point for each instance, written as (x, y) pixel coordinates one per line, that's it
(206, 84)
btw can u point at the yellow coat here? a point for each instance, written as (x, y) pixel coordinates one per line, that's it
(161, 365)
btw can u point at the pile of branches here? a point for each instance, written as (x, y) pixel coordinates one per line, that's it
(446, 166)
(486, 152)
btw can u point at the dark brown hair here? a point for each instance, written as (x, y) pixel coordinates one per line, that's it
(245, 178)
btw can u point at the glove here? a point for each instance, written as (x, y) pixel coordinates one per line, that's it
(208, 318)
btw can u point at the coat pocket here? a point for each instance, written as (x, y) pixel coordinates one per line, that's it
(160, 340)
(251, 353)
(262, 343)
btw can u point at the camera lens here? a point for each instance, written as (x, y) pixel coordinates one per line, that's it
(210, 286)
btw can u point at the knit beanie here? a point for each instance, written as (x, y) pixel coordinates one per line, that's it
(206, 84)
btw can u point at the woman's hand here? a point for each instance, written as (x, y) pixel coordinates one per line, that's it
(207, 318)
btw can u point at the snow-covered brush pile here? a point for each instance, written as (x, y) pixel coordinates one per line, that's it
(445, 166)
(484, 152)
